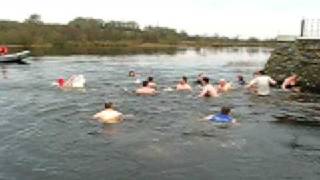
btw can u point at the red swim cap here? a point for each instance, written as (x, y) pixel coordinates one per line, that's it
(61, 82)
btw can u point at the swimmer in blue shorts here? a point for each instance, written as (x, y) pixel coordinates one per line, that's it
(222, 117)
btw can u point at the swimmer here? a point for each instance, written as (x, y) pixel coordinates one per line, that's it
(62, 83)
(75, 81)
(78, 81)
(3, 50)
(183, 85)
(146, 90)
(290, 83)
(224, 86)
(132, 74)
(151, 83)
(200, 79)
(253, 88)
(222, 117)
(241, 80)
(261, 83)
(109, 115)
(208, 90)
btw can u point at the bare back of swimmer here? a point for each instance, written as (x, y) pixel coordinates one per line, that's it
(146, 90)
(208, 90)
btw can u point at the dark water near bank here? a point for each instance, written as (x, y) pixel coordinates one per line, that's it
(46, 133)
(105, 51)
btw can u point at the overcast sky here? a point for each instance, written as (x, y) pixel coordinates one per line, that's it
(259, 18)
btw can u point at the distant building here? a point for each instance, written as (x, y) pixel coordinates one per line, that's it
(286, 38)
(310, 29)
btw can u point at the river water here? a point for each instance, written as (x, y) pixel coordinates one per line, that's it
(46, 133)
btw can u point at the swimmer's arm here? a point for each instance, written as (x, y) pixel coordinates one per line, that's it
(68, 83)
(70, 79)
(203, 93)
(156, 92)
(121, 117)
(283, 87)
(284, 84)
(96, 116)
(208, 118)
(216, 92)
(251, 83)
(272, 81)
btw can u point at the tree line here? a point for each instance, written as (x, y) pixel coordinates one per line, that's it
(33, 31)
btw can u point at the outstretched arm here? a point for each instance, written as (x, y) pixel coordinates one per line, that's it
(203, 93)
(284, 84)
(272, 81)
(251, 83)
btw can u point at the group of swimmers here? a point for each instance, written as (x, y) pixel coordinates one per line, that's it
(259, 85)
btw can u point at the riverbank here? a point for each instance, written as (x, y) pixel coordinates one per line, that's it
(129, 47)
(301, 57)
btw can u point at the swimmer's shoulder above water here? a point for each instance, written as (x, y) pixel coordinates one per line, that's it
(208, 90)
(146, 90)
(183, 85)
(109, 115)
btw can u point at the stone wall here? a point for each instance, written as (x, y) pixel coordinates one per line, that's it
(301, 57)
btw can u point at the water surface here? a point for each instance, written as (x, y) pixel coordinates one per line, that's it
(46, 133)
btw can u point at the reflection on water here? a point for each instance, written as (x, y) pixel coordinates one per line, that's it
(46, 133)
(4, 71)
(110, 51)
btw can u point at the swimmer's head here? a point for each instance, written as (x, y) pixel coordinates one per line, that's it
(262, 72)
(222, 82)
(240, 78)
(145, 83)
(184, 80)
(206, 80)
(131, 73)
(225, 110)
(150, 79)
(108, 105)
(60, 82)
(256, 73)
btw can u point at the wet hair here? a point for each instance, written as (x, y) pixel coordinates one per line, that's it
(150, 79)
(185, 78)
(206, 79)
(240, 78)
(108, 105)
(225, 110)
(145, 83)
(131, 73)
(262, 72)
(256, 73)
